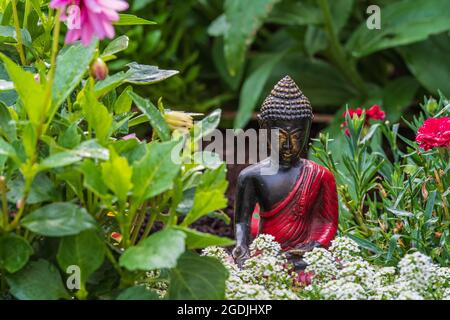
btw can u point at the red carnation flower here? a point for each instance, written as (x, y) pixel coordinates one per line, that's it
(375, 113)
(434, 132)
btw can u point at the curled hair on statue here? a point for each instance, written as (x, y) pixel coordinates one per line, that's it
(285, 102)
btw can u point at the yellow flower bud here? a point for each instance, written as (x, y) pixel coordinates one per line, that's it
(178, 120)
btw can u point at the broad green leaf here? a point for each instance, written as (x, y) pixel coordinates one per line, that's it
(39, 280)
(7, 150)
(8, 34)
(95, 112)
(143, 74)
(93, 178)
(429, 63)
(30, 92)
(60, 159)
(207, 125)
(398, 95)
(7, 125)
(91, 149)
(85, 250)
(42, 189)
(117, 45)
(187, 283)
(131, 20)
(252, 89)
(199, 240)
(402, 22)
(155, 172)
(14, 252)
(154, 116)
(219, 26)
(209, 195)
(160, 250)
(138, 292)
(71, 65)
(244, 21)
(123, 102)
(116, 174)
(58, 220)
(70, 138)
(295, 13)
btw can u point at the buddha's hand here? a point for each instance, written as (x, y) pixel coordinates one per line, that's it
(240, 254)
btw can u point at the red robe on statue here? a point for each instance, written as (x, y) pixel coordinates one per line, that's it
(309, 212)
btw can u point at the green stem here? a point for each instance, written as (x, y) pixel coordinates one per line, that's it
(26, 13)
(139, 222)
(337, 52)
(113, 260)
(29, 177)
(149, 225)
(4, 202)
(18, 33)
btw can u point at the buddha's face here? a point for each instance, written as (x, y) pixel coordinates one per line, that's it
(292, 136)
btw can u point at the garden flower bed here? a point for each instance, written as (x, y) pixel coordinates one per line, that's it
(105, 193)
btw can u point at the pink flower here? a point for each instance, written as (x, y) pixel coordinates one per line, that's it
(434, 132)
(89, 18)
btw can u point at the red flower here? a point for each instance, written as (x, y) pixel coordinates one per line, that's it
(116, 236)
(304, 278)
(434, 132)
(375, 113)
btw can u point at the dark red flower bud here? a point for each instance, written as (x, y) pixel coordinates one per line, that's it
(99, 69)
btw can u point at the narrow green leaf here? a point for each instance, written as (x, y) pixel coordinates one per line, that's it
(132, 20)
(154, 116)
(199, 240)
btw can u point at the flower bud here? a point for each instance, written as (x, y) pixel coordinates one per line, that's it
(116, 236)
(99, 69)
(432, 106)
(178, 120)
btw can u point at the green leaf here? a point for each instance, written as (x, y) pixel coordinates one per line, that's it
(154, 173)
(124, 102)
(252, 89)
(8, 34)
(14, 252)
(70, 138)
(199, 240)
(93, 178)
(42, 189)
(117, 45)
(207, 125)
(91, 149)
(85, 250)
(60, 159)
(402, 22)
(110, 83)
(428, 62)
(143, 74)
(131, 20)
(7, 125)
(96, 113)
(71, 65)
(39, 280)
(160, 250)
(363, 243)
(295, 13)
(209, 195)
(139, 292)
(154, 116)
(30, 92)
(116, 174)
(58, 220)
(244, 21)
(398, 95)
(7, 150)
(187, 283)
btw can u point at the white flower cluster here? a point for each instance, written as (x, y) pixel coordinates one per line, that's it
(264, 276)
(341, 273)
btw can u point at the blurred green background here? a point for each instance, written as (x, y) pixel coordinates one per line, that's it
(231, 52)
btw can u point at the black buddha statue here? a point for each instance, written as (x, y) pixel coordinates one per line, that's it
(298, 204)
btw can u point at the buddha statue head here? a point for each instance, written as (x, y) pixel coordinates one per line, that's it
(287, 115)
